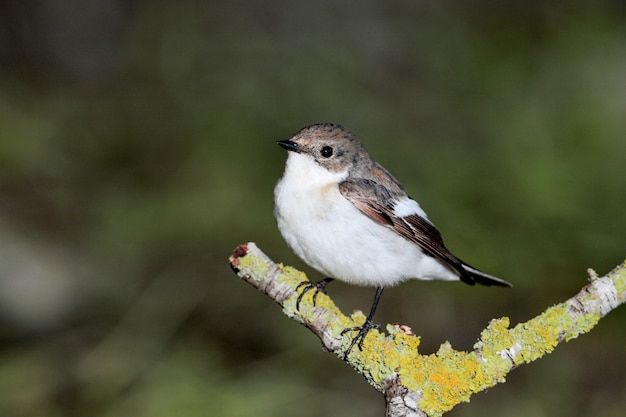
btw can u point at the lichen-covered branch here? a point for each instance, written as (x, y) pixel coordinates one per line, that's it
(429, 385)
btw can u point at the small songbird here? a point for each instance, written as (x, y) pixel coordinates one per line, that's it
(347, 217)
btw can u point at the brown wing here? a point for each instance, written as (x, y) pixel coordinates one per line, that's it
(377, 202)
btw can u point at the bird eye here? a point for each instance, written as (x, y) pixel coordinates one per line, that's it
(326, 152)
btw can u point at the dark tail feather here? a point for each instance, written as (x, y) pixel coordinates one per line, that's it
(474, 275)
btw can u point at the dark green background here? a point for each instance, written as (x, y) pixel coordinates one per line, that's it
(138, 148)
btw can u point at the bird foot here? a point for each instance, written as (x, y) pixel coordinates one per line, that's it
(360, 337)
(318, 287)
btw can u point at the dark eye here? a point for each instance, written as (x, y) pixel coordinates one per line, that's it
(326, 152)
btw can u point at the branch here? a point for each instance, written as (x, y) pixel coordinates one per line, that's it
(429, 385)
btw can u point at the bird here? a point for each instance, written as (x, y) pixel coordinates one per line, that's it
(350, 219)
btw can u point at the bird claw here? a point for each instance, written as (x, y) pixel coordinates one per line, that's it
(360, 337)
(319, 287)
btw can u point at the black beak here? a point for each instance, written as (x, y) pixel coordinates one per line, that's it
(289, 145)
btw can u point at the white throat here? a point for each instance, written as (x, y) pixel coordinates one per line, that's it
(304, 171)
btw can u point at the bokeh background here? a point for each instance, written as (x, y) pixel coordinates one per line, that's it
(137, 149)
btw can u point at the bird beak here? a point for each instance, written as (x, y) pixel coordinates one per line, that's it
(289, 145)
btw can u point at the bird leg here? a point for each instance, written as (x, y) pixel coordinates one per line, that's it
(365, 328)
(319, 287)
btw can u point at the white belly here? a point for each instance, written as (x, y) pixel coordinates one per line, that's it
(331, 235)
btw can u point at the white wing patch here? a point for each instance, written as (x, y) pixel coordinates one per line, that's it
(406, 207)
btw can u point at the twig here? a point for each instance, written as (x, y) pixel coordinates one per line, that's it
(429, 385)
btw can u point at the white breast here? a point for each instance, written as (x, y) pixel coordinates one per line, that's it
(331, 235)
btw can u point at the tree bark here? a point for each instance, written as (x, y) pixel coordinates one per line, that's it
(430, 385)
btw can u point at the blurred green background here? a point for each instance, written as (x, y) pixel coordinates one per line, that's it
(138, 148)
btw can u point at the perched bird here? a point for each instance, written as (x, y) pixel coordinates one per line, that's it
(347, 217)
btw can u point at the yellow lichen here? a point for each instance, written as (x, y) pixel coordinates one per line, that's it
(496, 337)
(444, 378)
(447, 377)
(584, 324)
(619, 278)
(373, 361)
(254, 267)
(541, 334)
(450, 377)
(290, 275)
